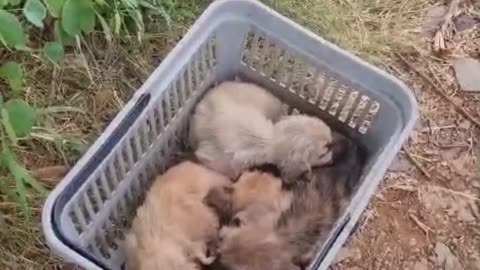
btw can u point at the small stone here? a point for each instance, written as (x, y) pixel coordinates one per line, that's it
(467, 71)
(400, 164)
(445, 258)
(465, 22)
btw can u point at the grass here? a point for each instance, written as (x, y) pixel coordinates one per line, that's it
(80, 99)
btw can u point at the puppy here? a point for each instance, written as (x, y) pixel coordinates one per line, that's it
(303, 228)
(234, 128)
(254, 246)
(255, 196)
(231, 127)
(300, 143)
(321, 200)
(173, 227)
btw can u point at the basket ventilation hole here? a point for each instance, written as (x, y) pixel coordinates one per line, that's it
(75, 221)
(337, 99)
(368, 119)
(358, 111)
(94, 197)
(327, 95)
(352, 97)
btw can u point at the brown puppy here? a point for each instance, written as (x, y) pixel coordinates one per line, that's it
(173, 227)
(254, 196)
(303, 228)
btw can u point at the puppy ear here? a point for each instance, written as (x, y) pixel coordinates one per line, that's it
(220, 200)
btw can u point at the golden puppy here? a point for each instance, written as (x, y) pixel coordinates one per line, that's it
(231, 127)
(256, 195)
(173, 227)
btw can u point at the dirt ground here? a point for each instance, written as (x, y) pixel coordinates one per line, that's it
(425, 213)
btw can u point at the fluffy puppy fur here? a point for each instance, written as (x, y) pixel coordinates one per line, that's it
(173, 227)
(303, 228)
(234, 128)
(255, 196)
(231, 126)
(300, 143)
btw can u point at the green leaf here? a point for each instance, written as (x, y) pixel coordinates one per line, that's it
(116, 23)
(7, 125)
(11, 32)
(55, 7)
(22, 115)
(3, 3)
(4, 187)
(12, 72)
(77, 16)
(106, 28)
(61, 36)
(35, 12)
(53, 51)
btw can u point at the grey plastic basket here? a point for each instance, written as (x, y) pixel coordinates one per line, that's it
(86, 215)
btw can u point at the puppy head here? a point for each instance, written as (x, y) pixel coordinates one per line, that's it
(254, 247)
(257, 187)
(301, 142)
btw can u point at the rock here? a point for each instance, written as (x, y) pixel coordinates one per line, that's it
(400, 164)
(421, 265)
(432, 19)
(445, 258)
(467, 71)
(465, 22)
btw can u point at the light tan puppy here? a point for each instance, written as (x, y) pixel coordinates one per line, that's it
(300, 143)
(233, 129)
(231, 126)
(173, 226)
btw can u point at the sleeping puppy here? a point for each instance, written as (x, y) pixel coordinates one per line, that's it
(303, 228)
(321, 200)
(231, 126)
(300, 143)
(173, 227)
(234, 127)
(255, 195)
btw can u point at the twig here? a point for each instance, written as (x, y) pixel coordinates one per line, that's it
(458, 193)
(439, 91)
(415, 162)
(420, 224)
(445, 30)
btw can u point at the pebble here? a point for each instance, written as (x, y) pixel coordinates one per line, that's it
(445, 258)
(467, 71)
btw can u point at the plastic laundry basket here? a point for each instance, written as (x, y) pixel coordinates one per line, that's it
(85, 217)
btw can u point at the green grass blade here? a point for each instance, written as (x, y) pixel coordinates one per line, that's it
(9, 161)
